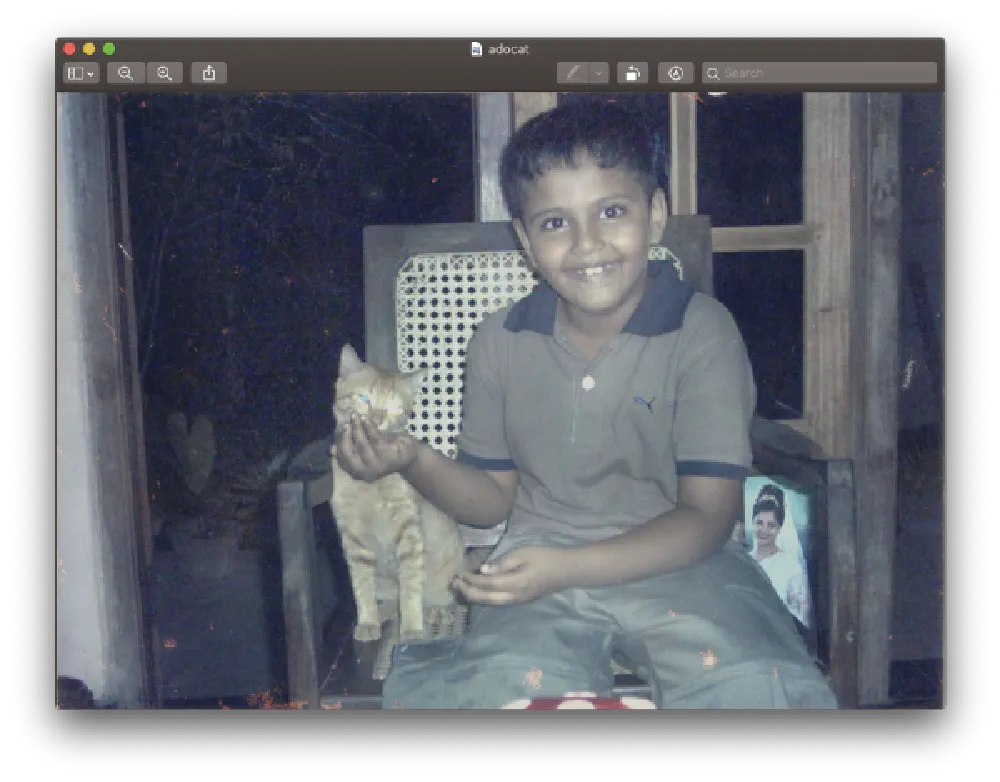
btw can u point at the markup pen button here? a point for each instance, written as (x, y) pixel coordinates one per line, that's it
(208, 73)
(572, 73)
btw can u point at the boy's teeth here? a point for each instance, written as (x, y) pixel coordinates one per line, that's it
(590, 271)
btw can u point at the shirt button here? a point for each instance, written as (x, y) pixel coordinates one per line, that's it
(588, 382)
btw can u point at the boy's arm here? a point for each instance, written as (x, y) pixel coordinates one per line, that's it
(478, 487)
(699, 526)
(479, 498)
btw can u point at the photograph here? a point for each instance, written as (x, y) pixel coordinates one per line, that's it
(775, 531)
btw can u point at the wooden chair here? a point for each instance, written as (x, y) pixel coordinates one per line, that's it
(426, 288)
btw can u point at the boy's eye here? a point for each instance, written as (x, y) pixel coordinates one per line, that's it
(552, 223)
(613, 211)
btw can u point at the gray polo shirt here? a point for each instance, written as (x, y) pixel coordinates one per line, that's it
(598, 443)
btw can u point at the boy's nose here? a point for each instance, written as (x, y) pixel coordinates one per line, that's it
(588, 238)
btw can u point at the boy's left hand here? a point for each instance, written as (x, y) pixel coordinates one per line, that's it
(518, 577)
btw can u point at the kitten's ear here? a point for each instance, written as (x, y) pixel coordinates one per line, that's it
(349, 361)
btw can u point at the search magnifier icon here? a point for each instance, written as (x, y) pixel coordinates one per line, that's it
(124, 72)
(163, 72)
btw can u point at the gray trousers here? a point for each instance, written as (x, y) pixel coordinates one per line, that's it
(714, 635)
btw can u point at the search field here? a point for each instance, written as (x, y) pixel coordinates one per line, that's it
(819, 72)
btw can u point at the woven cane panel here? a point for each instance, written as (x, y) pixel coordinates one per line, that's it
(440, 299)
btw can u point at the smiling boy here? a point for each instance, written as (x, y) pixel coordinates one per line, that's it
(606, 416)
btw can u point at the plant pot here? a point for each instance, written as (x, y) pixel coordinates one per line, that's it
(206, 557)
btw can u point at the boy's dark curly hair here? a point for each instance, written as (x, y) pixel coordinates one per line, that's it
(612, 135)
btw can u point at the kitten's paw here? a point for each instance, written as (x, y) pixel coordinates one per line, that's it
(367, 633)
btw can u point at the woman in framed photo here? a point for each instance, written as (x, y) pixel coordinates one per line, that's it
(776, 549)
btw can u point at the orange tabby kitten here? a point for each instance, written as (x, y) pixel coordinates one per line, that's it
(398, 546)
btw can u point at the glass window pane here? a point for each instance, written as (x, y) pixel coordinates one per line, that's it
(750, 158)
(765, 293)
(654, 106)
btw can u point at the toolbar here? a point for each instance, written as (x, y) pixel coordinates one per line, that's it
(483, 65)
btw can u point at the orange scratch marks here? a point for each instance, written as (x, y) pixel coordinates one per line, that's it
(337, 705)
(170, 643)
(264, 700)
(533, 678)
(110, 327)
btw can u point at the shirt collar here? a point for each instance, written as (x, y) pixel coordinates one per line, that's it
(660, 311)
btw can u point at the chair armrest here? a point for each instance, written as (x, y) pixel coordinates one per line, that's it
(298, 561)
(780, 439)
(312, 461)
(481, 537)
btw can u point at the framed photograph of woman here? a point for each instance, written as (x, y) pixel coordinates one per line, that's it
(775, 528)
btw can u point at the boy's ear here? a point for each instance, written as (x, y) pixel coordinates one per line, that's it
(522, 237)
(658, 213)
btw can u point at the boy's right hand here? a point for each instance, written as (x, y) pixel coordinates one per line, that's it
(367, 454)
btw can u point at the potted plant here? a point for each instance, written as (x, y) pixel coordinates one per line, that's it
(206, 546)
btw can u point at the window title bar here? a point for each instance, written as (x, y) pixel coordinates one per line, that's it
(488, 65)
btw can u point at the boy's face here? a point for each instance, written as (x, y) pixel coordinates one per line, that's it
(587, 231)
